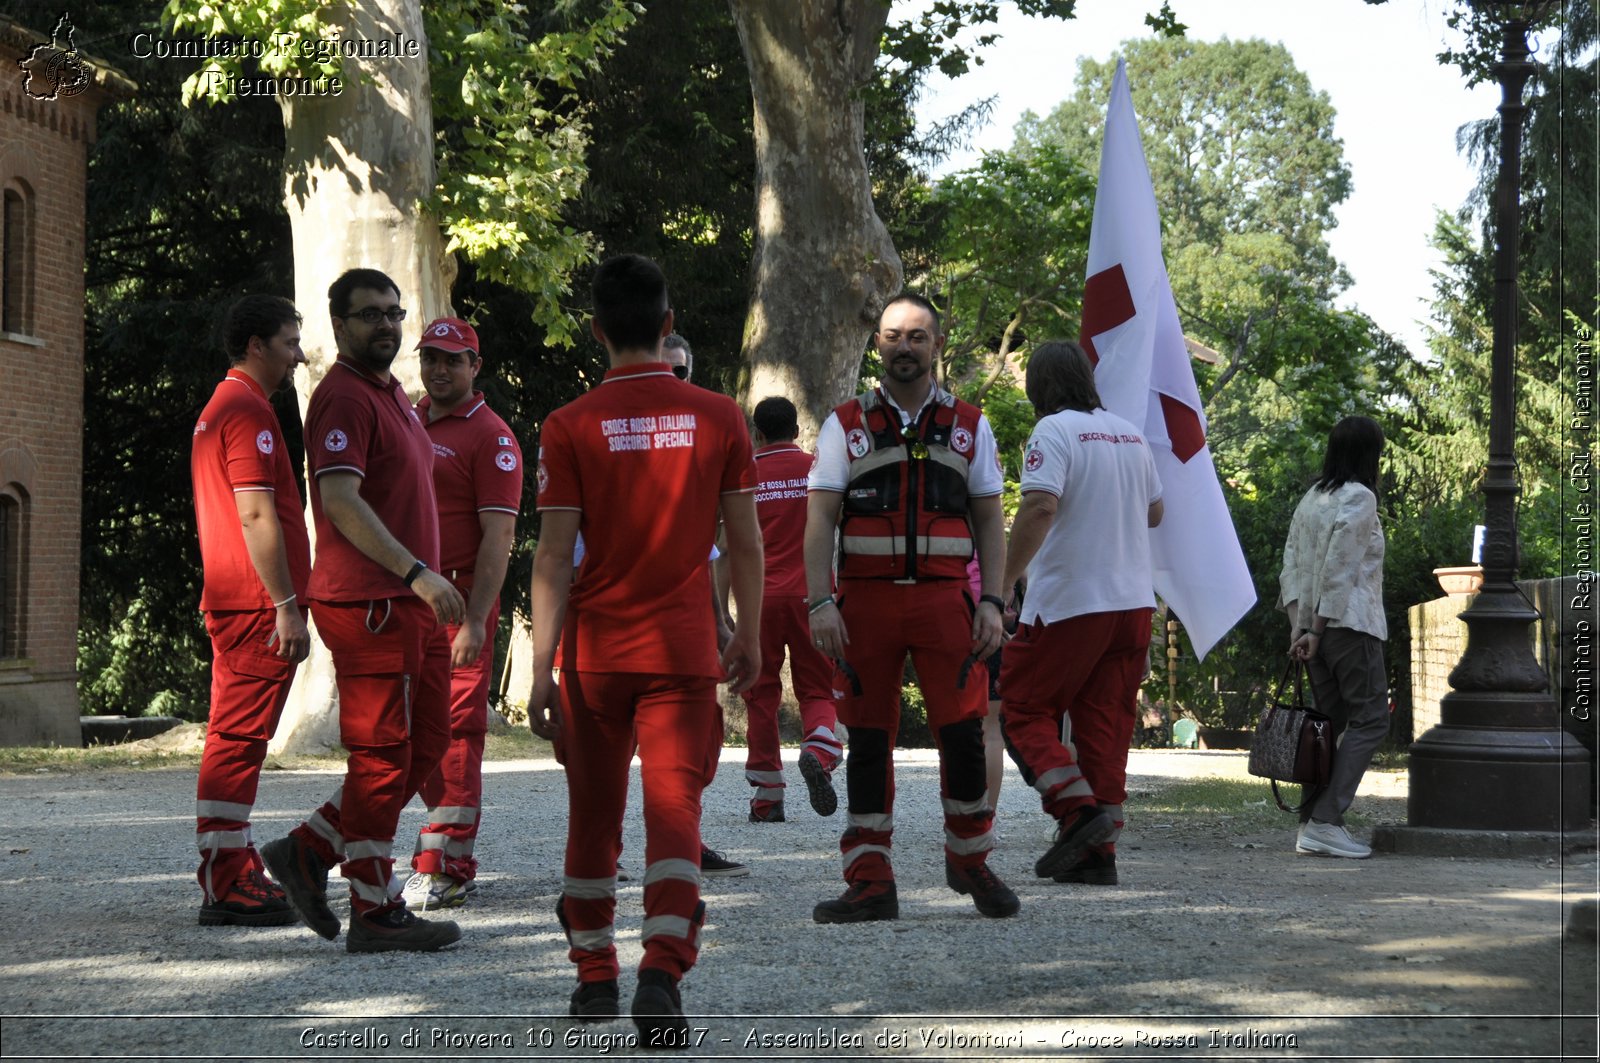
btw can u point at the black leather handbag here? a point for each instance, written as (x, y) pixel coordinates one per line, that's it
(1293, 742)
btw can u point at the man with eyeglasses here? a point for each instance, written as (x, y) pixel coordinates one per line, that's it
(909, 477)
(675, 349)
(380, 605)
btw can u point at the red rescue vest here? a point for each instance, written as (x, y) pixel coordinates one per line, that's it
(905, 512)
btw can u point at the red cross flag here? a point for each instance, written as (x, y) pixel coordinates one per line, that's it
(1131, 331)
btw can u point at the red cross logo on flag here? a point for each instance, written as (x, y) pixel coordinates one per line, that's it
(1132, 334)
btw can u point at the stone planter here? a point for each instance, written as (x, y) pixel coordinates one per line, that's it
(1459, 581)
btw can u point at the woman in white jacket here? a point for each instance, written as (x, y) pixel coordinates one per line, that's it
(1332, 588)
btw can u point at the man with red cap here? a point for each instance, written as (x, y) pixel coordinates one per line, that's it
(379, 601)
(257, 558)
(477, 478)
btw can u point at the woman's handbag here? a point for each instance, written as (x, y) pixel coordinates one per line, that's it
(1292, 743)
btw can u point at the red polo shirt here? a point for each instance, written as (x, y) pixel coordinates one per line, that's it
(645, 458)
(477, 468)
(781, 472)
(238, 446)
(358, 423)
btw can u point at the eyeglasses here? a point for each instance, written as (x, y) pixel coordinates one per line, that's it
(372, 315)
(681, 372)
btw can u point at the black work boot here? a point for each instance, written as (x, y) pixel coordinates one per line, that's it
(1095, 869)
(819, 784)
(594, 1001)
(1077, 833)
(304, 880)
(658, 1012)
(863, 902)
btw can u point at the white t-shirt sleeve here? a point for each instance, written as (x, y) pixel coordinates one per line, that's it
(985, 478)
(831, 469)
(1047, 461)
(1152, 477)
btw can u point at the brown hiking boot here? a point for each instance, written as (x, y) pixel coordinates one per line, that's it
(397, 930)
(992, 897)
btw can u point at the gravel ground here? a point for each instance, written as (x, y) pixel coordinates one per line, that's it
(1219, 943)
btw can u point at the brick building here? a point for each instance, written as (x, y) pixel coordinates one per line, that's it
(49, 96)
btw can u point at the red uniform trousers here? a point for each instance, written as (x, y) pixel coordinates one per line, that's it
(394, 722)
(678, 726)
(454, 792)
(1083, 671)
(249, 687)
(932, 621)
(785, 626)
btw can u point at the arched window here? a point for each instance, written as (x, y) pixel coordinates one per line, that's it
(16, 260)
(13, 593)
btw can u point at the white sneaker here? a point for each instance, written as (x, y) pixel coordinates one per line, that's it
(1329, 839)
(424, 891)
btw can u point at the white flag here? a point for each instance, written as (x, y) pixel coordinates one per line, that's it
(1131, 330)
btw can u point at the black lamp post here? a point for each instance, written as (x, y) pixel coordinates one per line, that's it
(1499, 758)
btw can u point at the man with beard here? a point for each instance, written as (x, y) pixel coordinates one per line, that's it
(256, 561)
(916, 477)
(379, 602)
(477, 477)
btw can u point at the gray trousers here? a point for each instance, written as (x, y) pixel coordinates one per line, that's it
(1350, 686)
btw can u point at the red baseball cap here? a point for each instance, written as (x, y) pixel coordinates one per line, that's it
(449, 334)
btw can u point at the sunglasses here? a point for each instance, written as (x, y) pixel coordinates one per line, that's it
(681, 372)
(372, 315)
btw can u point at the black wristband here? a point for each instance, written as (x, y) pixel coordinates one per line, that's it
(417, 568)
(994, 600)
(820, 602)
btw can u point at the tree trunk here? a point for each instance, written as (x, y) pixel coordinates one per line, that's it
(356, 168)
(824, 264)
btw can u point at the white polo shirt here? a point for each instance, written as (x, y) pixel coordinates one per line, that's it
(1096, 556)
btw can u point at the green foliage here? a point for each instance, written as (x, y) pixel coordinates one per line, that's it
(1480, 29)
(931, 38)
(507, 118)
(1012, 237)
(1236, 138)
(914, 732)
(1165, 23)
(677, 187)
(512, 138)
